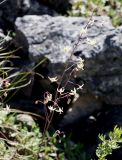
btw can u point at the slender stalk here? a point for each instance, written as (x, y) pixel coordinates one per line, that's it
(66, 68)
(3, 2)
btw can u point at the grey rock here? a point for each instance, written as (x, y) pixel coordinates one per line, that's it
(11, 9)
(47, 36)
(24, 118)
(52, 34)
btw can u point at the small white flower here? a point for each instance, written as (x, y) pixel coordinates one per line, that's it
(59, 110)
(7, 109)
(61, 90)
(75, 94)
(91, 22)
(83, 31)
(51, 108)
(80, 87)
(53, 79)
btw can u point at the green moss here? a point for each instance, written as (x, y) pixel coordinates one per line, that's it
(111, 8)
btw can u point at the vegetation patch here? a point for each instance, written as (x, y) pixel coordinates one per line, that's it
(111, 8)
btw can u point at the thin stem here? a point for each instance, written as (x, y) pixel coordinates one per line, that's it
(46, 120)
(66, 68)
(3, 2)
(69, 77)
(30, 113)
(72, 52)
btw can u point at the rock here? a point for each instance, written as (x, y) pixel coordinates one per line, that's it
(60, 6)
(37, 8)
(52, 34)
(28, 106)
(85, 106)
(112, 116)
(24, 118)
(10, 10)
(47, 36)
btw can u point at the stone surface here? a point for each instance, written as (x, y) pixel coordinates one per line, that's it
(10, 10)
(52, 34)
(85, 106)
(24, 118)
(47, 36)
(60, 6)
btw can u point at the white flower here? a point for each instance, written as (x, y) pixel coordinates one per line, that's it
(7, 109)
(53, 79)
(83, 31)
(91, 22)
(75, 94)
(59, 110)
(51, 108)
(80, 87)
(61, 90)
